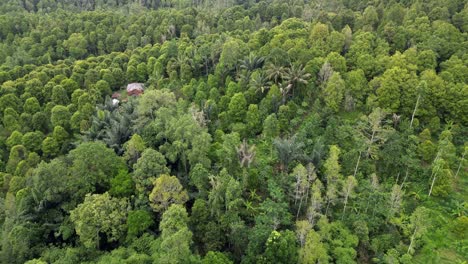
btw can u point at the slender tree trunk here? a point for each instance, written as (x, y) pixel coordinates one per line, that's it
(367, 205)
(460, 164)
(397, 178)
(414, 111)
(297, 191)
(370, 144)
(307, 195)
(357, 164)
(412, 239)
(344, 208)
(434, 175)
(432, 185)
(404, 179)
(299, 209)
(328, 205)
(97, 239)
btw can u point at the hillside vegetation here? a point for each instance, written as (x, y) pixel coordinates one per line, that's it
(269, 131)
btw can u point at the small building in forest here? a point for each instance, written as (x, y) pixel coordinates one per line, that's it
(116, 95)
(134, 89)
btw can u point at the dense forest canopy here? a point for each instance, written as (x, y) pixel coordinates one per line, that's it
(268, 132)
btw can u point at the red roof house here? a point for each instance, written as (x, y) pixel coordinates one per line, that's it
(134, 89)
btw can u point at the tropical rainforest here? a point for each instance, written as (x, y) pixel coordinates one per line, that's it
(269, 131)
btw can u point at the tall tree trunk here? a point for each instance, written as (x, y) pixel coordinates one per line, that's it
(434, 174)
(344, 208)
(357, 164)
(432, 185)
(307, 196)
(328, 205)
(299, 209)
(397, 178)
(412, 239)
(98, 238)
(414, 111)
(370, 144)
(297, 191)
(460, 164)
(404, 179)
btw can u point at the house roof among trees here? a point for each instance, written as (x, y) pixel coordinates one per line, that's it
(135, 86)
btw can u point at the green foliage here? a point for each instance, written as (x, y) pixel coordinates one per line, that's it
(60, 116)
(137, 222)
(94, 165)
(11, 120)
(213, 257)
(280, 248)
(31, 105)
(134, 149)
(50, 147)
(60, 134)
(98, 215)
(347, 118)
(271, 126)
(121, 185)
(17, 154)
(149, 166)
(103, 87)
(237, 108)
(175, 236)
(397, 90)
(167, 190)
(47, 181)
(314, 250)
(32, 141)
(59, 96)
(76, 45)
(16, 138)
(334, 92)
(199, 177)
(253, 120)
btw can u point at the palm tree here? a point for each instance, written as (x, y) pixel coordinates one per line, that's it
(215, 196)
(119, 131)
(293, 76)
(288, 150)
(112, 124)
(180, 61)
(285, 88)
(246, 153)
(99, 123)
(248, 65)
(318, 151)
(275, 72)
(251, 63)
(260, 82)
(171, 30)
(296, 75)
